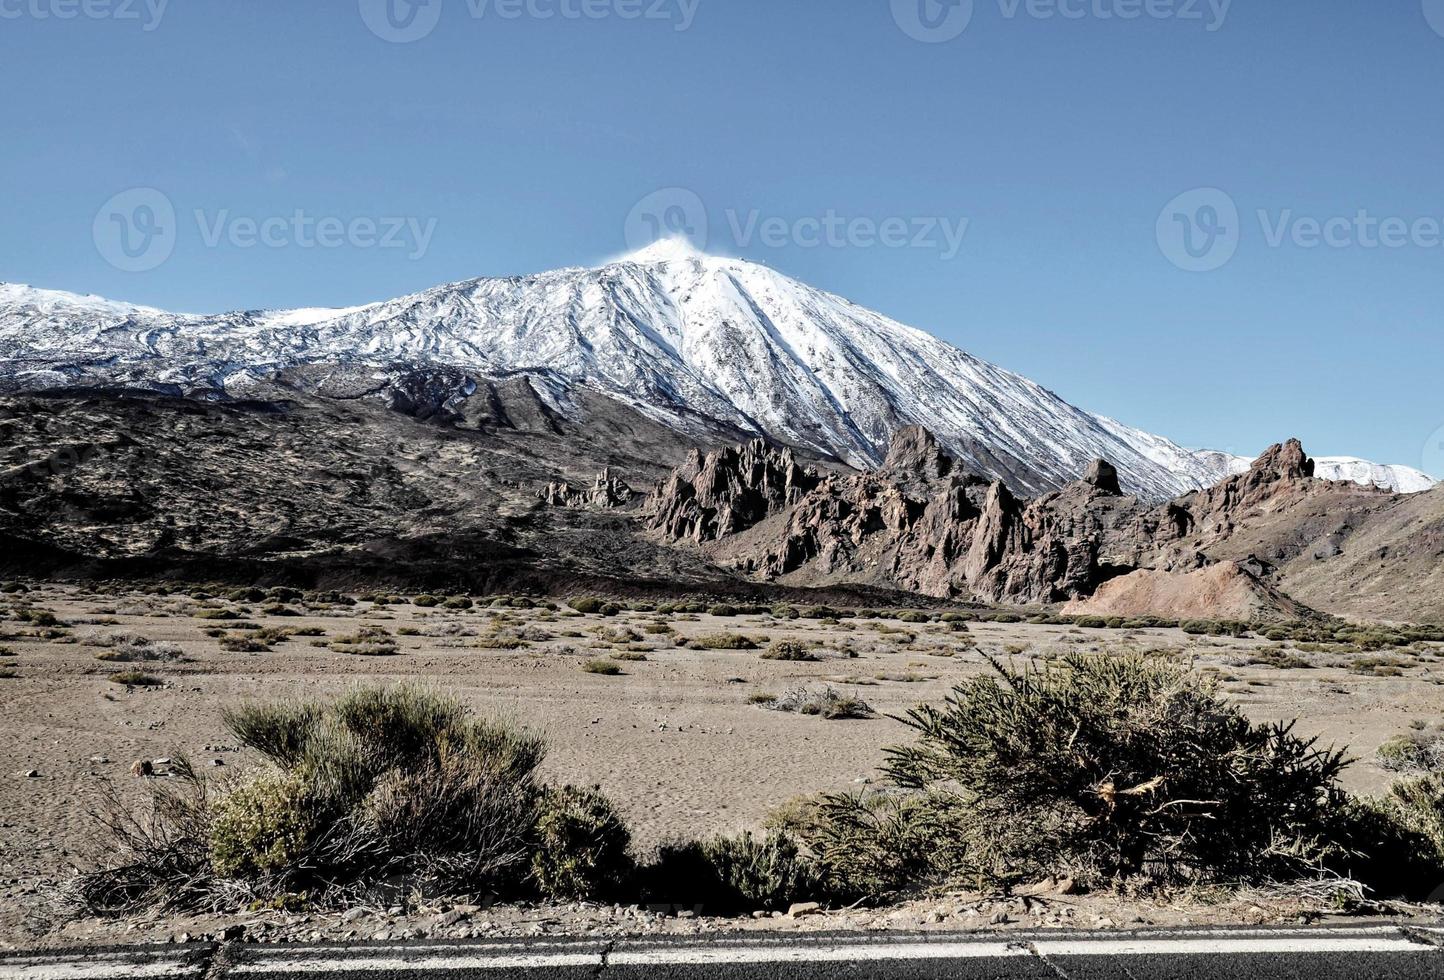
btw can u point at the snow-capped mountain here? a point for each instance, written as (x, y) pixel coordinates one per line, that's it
(679, 335)
(1341, 469)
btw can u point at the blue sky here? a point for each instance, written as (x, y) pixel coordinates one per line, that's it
(1058, 130)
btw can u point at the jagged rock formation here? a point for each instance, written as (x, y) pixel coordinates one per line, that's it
(922, 523)
(606, 492)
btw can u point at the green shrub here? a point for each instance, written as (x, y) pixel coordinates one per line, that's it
(136, 678)
(604, 667)
(581, 847)
(1124, 767)
(826, 703)
(788, 650)
(723, 641)
(732, 875)
(262, 827)
(913, 616)
(586, 604)
(722, 609)
(426, 601)
(784, 612)
(457, 602)
(216, 614)
(399, 779)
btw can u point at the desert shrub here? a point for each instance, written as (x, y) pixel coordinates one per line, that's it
(1091, 622)
(136, 678)
(586, 604)
(1112, 767)
(247, 595)
(457, 602)
(784, 612)
(262, 827)
(723, 641)
(722, 609)
(604, 667)
(731, 875)
(244, 644)
(216, 614)
(788, 650)
(7, 651)
(914, 616)
(368, 641)
(133, 648)
(582, 843)
(426, 601)
(1415, 752)
(393, 781)
(762, 698)
(825, 702)
(1417, 803)
(820, 612)
(629, 656)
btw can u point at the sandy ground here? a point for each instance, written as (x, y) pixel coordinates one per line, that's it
(673, 741)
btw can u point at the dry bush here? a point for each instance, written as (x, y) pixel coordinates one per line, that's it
(1117, 768)
(825, 702)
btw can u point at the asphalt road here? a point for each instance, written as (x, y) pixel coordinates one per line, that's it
(1384, 952)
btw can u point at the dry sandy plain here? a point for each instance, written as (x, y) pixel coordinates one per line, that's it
(673, 739)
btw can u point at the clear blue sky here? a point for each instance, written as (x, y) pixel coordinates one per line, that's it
(529, 140)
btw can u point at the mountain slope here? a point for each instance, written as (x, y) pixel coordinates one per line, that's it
(688, 340)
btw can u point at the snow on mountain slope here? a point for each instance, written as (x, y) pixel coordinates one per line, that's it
(1347, 469)
(679, 335)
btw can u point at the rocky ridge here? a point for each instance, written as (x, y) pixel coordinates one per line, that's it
(921, 522)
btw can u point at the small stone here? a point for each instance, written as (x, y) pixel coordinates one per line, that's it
(33, 774)
(351, 915)
(759, 914)
(98, 760)
(999, 918)
(233, 933)
(451, 918)
(218, 762)
(798, 909)
(142, 767)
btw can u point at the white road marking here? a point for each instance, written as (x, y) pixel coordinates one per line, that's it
(469, 961)
(518, 956)
(1193, 947)
(92, 968)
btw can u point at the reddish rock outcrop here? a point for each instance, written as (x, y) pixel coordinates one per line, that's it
(605, 492)
(920, 523)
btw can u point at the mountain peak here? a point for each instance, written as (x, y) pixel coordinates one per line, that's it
(678, 248)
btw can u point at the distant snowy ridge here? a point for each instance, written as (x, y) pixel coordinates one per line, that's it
(679, 335)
